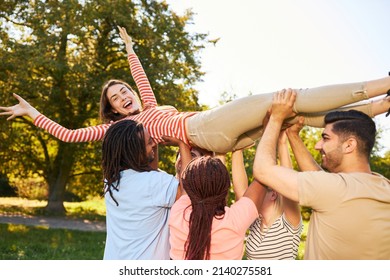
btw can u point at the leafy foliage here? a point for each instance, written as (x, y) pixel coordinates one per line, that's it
(58, 54)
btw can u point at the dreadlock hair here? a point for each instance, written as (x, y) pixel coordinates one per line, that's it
(206, 181)
(123, 148)
(354, 123)
(106, 113)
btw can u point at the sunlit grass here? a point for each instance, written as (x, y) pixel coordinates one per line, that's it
(92, 209)
(18, 242)
(24, 242)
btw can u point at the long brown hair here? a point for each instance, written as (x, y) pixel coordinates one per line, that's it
(106, 113)
(123, 148)
(206, 181)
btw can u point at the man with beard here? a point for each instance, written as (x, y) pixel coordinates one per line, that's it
(138, 198)
(350, 204)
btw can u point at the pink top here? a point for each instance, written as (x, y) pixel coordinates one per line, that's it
(227, 234)
(158, 120)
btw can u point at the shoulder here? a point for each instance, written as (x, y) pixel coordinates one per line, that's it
(244, 210)
(159, 177)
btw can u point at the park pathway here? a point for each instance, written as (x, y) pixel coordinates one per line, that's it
(53, 222)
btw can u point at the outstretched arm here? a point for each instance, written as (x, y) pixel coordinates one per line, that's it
(138, 73)
(291, 208)
(23, 108)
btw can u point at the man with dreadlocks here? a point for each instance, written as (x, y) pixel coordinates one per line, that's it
(202, 227)
(138, 198)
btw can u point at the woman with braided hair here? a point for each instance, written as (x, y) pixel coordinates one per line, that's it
(202, 226)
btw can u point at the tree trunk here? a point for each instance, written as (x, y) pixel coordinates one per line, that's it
(58, 178)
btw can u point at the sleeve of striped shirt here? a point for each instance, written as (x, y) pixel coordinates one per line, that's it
(87, 134)
(140, 78)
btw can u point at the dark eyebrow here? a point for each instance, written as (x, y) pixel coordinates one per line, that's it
(120, 90)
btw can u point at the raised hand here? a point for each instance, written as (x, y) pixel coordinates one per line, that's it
(283, 103)
(297, 127)
(126, 39)
(23, 108)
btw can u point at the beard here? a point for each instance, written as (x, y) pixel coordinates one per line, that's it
(332, 159)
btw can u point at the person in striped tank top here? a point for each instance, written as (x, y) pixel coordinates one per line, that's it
(232, 126)
(275, 234)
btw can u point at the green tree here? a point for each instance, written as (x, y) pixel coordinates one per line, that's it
(57, 55)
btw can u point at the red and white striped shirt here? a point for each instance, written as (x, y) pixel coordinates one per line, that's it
(158, 120)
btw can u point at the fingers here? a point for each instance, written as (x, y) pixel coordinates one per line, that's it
(18, 97)
(297, 127)
(301, 120)
(168, 139)
(283, 104)
(123, 33)
(12, 116)
(285, 96)
(8, 111)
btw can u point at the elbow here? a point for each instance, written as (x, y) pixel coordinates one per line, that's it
(259, 171)
(263, 172)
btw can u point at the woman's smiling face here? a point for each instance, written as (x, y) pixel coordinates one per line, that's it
(123, 101)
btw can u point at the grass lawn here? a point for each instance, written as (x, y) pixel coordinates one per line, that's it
(19, 242)
(94, 210)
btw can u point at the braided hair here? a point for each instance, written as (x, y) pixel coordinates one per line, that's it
(206, 181)
(123, 148)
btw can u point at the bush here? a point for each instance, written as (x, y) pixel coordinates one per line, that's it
(6, 189)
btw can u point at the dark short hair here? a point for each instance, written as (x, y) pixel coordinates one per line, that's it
(354, 123)
(123, 148)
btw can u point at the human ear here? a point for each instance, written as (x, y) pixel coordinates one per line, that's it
(274, 195)
(350, 145)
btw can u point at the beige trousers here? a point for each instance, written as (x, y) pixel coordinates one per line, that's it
(237, 124)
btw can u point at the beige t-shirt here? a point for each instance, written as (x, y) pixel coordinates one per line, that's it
(351, 215)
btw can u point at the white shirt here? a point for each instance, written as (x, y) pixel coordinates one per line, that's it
(138, 227)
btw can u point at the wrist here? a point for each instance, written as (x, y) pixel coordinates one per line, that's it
(183, 146)
(277, 119)
(130, 50)
(33, 113)
(292, 134)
